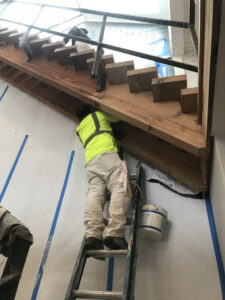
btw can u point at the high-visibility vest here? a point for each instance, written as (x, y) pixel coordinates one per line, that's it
(95, 133)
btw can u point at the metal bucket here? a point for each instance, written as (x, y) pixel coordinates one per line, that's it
(153, 221)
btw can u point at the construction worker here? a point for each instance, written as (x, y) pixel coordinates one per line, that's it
(77, 32)
(82, 32)
(105, 170)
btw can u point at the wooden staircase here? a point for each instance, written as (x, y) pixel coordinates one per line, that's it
(157, 133)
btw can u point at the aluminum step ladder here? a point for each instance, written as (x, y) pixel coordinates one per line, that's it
(73, 291)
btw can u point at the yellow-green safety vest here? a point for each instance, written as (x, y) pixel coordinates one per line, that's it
(95, 133)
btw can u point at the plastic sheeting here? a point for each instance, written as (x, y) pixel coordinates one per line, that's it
(181, 266)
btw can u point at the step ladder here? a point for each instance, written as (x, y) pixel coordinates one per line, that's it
(73, 291)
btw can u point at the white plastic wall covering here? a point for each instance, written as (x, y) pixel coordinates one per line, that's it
(217, 190)
(217, 186)
(181, 266)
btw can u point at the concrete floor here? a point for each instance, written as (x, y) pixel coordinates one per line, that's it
(181, 266)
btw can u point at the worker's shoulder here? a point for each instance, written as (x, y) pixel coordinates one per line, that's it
(106, 116)
(74, 30)
(102, 115)
(84, 121)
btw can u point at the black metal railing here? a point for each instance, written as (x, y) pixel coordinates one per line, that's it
(99, 43)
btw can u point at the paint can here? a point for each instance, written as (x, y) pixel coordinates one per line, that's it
(153, 221)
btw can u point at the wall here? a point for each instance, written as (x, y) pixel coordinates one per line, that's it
(217, 191)
(164, 9)
(176, 34)
(197, 13)
(218, 130)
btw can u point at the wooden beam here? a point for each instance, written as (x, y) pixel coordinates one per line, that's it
(163, 120)
(175, 162)
(201, 58)
(58, 100)
(36, 46)
(14, 38)
(106, 59)
(4, 35)
(189, 99)
(141, 79)
(62, 54)
(167, 88)
(79, 60)
(211, 42)
(117, 72)
(50, 48)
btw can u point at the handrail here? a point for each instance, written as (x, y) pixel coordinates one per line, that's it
(115, 48)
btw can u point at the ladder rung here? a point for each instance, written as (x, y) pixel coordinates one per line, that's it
(97, 295)
(106, 253)
(132, 176)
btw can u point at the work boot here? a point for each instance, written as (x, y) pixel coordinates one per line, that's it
(93, 243)
(115, 243)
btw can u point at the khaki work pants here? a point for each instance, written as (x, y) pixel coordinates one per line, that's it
(107, 171)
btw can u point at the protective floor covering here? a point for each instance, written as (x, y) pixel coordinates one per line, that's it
(46, 175)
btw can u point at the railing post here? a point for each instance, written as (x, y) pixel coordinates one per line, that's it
(192, 13)
(94, 72)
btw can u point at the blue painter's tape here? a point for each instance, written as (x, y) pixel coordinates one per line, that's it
(3, 94)
(154, 211)
(216, 246)
(13, 169)
(152, 227)
(52, 231)
(163, 69)
(110, 274)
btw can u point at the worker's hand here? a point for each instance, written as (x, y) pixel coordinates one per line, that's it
(117, 130)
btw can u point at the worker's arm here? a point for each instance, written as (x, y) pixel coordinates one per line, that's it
(83, 35)
(117, 130)
(78, 136)
(111, 119)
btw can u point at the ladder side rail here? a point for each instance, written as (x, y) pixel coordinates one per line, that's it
(97, 295)
(77, 272)
(131, 260)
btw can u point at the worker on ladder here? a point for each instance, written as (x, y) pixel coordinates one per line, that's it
(105, 170)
